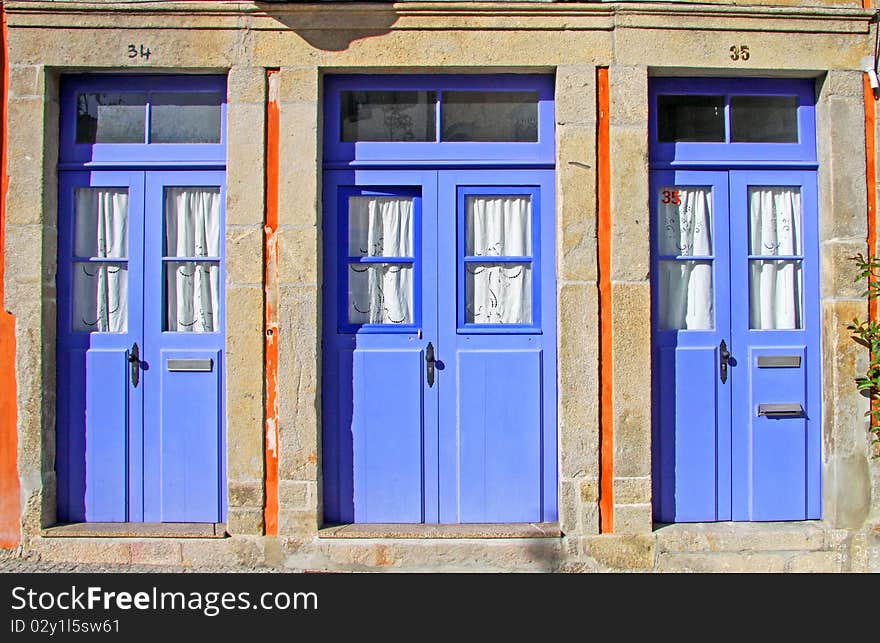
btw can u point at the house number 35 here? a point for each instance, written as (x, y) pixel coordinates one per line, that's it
(739, 52)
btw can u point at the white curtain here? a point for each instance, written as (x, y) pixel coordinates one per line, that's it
(775, 285)
(100, 290)
(192, 229)
(499, 226)
(380, 227)
(685, 288)
(498, 293)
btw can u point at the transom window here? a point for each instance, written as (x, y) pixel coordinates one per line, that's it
(757, 120)
(442, 119)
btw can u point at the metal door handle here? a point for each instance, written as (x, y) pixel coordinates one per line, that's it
(134, 358)
(725, 357)
(429, 363)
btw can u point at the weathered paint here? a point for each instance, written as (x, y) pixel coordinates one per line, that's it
(270, 284)
(10, 507)
(871, 182)
(603, 234)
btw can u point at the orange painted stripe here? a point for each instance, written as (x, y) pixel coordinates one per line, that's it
(10, 506)
(270, 285)
(603, 234)
(871, 179)
(871, 182)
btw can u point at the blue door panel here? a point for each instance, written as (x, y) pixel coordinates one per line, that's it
(778, 446)
(388, 434)
(190, 455)
(107, 435)
(694, 407)
(337, 444)
(500, 431)
(71, 460)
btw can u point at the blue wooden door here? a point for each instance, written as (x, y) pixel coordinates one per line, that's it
(439, 351)
(691, 314)
(736, 381)
(776, 445)
(140, 338)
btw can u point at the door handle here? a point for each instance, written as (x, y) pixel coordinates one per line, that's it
(134, 358)
(725, 358)
(429, 363)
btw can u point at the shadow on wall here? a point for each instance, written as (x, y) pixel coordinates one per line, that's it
(323, 30)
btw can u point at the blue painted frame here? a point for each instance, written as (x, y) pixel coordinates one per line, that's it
(727, 154)
(463, 259)
(141, 154)
(144, 168)
(417, 260)
(340, 154)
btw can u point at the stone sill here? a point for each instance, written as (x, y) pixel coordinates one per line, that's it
(136, 530)
(470, 530)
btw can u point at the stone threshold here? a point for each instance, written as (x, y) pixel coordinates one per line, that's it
(136, 530)
(468, 530)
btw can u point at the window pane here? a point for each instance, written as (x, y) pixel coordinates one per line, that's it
(775, 221)
(686, 300)
(380, 294)
(490, 116)
(100, 297)
(763, 119)
(690, 118)
(498, 226)
(192, 222)
(380, 226)
(110, 118)
(388, 116)
(685, 220)
(498, 293)
(101, 222)
(775, 294)
(180, 117)
(192, 296)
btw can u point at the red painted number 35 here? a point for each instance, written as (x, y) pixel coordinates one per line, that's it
(671, 196)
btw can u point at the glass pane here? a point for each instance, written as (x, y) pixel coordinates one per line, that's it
(388, 116)
(179, 117)
(763, 119)
(192, 296)
(498, 293)
(380, 294)
(775, 221)
(110, 118)
(101, 222)
(498, 226)
(686, 300)
(100, 297)
(490, 116)
(775, 294)
(690, 119)
(192, 222)
(380, 226)
(685, 220)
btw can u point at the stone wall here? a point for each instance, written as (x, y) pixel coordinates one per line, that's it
(823, 40)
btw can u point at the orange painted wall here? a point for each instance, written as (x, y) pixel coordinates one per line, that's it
(10, 506)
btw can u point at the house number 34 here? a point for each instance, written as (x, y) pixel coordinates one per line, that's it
(139, 51)
(739, 52)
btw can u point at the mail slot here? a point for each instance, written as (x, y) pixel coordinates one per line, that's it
(191, 365)
(791, 410)
(779, 361)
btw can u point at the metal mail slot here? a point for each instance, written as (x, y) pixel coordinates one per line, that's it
(781, 410)
(192, 365)
(779, 361)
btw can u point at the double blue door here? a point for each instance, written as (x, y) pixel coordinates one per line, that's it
(140, 346)
(736, 345)
(439, 347)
